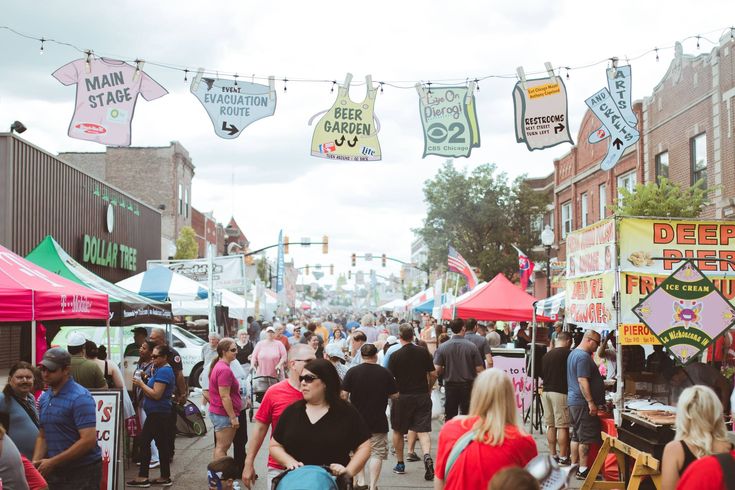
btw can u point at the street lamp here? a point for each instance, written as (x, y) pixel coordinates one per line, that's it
(547, 240)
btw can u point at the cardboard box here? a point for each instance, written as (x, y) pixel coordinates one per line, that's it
(639, 384)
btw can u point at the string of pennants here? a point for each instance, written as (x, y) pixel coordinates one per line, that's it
(107, 90)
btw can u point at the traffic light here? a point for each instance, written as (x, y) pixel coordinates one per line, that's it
(285, 244)
(307, 270)
(331, 270)
(325, 244)
(383, 259)
(354, 260)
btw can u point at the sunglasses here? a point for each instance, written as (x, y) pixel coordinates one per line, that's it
(233, 350)
(308, 378)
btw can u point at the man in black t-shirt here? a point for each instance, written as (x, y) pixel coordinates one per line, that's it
(369, 386)
(414, 371)
(554, 397)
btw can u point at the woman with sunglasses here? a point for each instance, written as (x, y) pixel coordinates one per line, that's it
(322, 429)
(225, 403)
(157, 405)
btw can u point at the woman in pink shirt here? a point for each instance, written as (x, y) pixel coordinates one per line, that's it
(225, 403)
(269, 355)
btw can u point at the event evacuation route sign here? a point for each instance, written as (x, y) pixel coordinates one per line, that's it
(686, 312)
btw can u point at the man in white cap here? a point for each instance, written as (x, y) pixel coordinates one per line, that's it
(84, 371)
(336, 356)
(393, 345)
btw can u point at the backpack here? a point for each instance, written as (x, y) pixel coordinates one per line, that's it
(305, 478)
(727, 463)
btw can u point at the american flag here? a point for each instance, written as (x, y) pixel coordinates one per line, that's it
(458, 264)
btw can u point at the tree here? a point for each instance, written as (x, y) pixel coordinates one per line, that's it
(186, 244)
(662, 199)
(481, 214)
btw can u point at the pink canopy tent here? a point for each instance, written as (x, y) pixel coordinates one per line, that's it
(499, 299)
(29, 293)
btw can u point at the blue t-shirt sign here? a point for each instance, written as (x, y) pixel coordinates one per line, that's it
(163, 375)
(581, 365)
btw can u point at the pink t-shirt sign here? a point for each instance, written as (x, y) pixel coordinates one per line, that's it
(106, 95)
(222, 377)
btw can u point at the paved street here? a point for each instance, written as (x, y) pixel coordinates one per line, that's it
(193, 454)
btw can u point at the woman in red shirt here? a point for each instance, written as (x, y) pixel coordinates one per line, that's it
(497, 441)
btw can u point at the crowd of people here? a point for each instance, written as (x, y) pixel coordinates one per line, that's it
(347, 395)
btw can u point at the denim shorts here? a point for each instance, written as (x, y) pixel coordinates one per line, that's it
(220, 422)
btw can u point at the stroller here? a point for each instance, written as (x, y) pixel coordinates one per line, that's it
(258, 386)
(310, 477)
(189, 420)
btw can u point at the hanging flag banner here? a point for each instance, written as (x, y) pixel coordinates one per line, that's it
(280, 264)
(541, 111)
(348, 130)
(525, 268)
(591, 250)
(232, 106)
(615, 114)
(686, 312)
(619, 86)
(449, 119)
(107, 91)
(589, 301)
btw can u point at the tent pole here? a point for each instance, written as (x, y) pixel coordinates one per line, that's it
(454, 308)
(533, 366)
(107, 327)
(33, 342)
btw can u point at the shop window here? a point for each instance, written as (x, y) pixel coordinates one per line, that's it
(181, 199)
(186, 203)
(662, 166)
(626, 181)
(583, 205)
(602, 192)
(698, 150)
(566, 219)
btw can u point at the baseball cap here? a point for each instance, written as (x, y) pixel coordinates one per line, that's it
(76, 339)
(140, 330)
(56, 358)
(270, 329)
(334, 350)
(392, 339)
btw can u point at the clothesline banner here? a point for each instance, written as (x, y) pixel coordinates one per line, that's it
(449, 120)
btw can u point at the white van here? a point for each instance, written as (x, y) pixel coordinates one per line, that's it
(186, 343)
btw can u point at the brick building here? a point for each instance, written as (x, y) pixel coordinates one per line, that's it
(158, 176)
(686, 127)
(205, 228)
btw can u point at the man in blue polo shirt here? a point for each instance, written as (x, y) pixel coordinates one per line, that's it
(66, 451)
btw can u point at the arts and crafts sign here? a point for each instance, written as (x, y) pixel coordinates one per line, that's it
(231, 105)
(522, 383)
(651, 249)
(541, 113)
(686, 312)
(591, 250)
(109, 434)
(613, 107)
(449, 120)
(348, 130)
(589, 301)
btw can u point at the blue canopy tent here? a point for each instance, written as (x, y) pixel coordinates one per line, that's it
(162, 284)
(428, 306)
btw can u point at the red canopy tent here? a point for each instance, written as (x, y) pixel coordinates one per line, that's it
(499, 299)
(29, 293)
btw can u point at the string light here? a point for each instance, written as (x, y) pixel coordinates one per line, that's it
(186, 73)
(235, 79)
(285, 81)
(42, 41)
(429, 85)
(656, 49)
(477, 84)
(698, 41)
(567, 69)
(334, 82)
(381, 87)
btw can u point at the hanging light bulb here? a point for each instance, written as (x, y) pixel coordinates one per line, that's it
(42, 41)
(285, 81)
(186, 73)
(381, 87)
(656, 49)
(235, 79)
(334, 82)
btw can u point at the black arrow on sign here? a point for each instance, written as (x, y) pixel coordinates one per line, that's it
(232, 129)
(617, 143)
(559, 128)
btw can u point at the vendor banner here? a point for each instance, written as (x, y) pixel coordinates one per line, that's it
(686, 312)
(228, 270)
(522, 383)
(449, 119)
(591, 250)
(109, 434)
(636, 334)
(589, 301)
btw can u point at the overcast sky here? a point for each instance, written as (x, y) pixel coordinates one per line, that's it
(266, 177)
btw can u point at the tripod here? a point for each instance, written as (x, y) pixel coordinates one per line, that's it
(538, 415)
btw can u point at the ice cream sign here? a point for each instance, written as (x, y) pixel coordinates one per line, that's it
(686, 312)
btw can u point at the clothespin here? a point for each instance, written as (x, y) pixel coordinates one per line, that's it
(521, 76)
(470, 92)
(197, 80)
(88, 61)
(138, 68)
(348, 80)
(369, 81)
(614, 61)
(422, 93)
(272, 86)
(550, 71)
